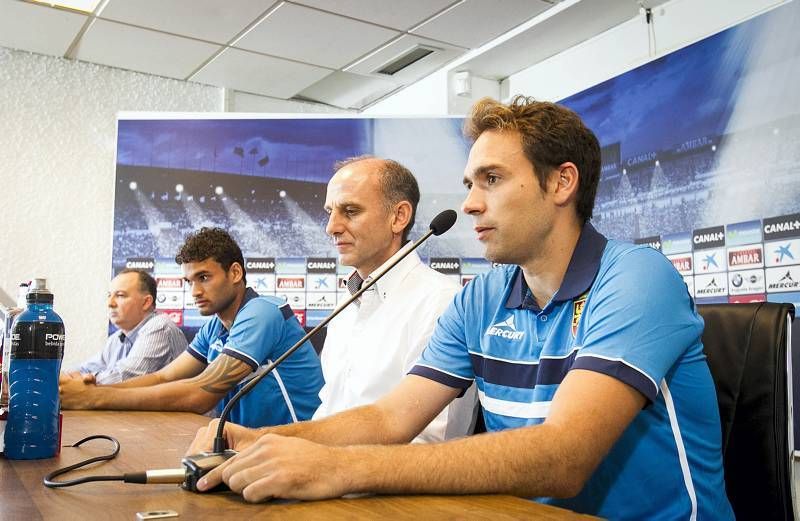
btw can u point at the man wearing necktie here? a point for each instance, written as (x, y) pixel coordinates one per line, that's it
(145, 340)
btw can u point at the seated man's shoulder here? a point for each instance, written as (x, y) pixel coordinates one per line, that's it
(267, 306)
(636, 259)
(160, 321)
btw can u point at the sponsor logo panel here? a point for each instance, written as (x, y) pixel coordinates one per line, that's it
(296, 299)
(262, 283)
(446, 265)
(260, 264)
(782, 253)
(321, 282)
(676, 243)
(320, 300)
(300, 315)
(791, 298)
(783, 279)
(176, 315)
(745, 257)
(474, 266)
(710, 261)
(653, 241)
(712, 237)
(682, 262)
(746, 282)
(290, 283)
(140, 263)
(711, 285)
(782, 227)
(290, 266)
(193, 318)
(169, 299)
(746, 299)
(739, 234)
(168, 283)
(314, 317)
(321, 265)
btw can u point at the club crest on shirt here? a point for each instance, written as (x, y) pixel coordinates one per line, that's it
(577, 311)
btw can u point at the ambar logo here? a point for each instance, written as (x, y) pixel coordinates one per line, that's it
(745, 257)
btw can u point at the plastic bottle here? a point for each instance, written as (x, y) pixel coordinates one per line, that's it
(37, 348)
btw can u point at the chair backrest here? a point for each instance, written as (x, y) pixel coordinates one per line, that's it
(748, 352)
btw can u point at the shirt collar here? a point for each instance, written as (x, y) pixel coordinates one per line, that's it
(580, 274)
(131, 335)
(395, 276)
(249, 294)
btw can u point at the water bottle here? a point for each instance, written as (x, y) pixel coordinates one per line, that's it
(37, 347)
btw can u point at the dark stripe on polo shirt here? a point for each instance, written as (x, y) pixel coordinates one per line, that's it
(241, 358)
(549, 371)
(443, 378)
(197, 355)
(620, 371)
(286, 311)
(502, 372)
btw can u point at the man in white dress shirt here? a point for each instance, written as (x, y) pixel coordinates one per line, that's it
(371, 345)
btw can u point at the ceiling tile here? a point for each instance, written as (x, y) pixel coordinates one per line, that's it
(442, 55)
(391, 13)
(250, 72)
(475, 22)
(127, 47)
(54, 28)
(210, 20)
(307, 35)
(549, 37)
(347, 90)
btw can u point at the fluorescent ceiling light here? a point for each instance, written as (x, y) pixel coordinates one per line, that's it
(83, 6)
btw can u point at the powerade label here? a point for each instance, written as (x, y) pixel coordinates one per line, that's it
(37, 341)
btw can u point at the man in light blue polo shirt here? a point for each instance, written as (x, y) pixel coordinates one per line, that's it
(246, 333)
(586, 354)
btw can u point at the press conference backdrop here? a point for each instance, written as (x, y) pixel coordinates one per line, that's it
(700, 149)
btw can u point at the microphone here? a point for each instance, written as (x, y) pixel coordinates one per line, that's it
(198, 465)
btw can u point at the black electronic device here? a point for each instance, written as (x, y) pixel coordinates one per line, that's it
(200, 464)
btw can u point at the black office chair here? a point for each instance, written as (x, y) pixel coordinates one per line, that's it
(748, 351)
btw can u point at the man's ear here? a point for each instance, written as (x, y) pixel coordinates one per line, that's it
(564, 181)
(149, 302)
(235, 272)
(401, 216)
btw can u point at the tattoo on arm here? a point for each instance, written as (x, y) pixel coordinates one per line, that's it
(222, 375)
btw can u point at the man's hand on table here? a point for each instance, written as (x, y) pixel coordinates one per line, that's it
(76, 393)
(88, 378)
(237, 437)
(281, 467)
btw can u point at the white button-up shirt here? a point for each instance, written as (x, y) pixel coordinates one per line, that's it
(369, 348)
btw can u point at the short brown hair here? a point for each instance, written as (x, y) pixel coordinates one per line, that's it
(551, 135)
(397, 184)
(147, 284)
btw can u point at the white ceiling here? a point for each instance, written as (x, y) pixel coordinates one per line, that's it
(320, 50)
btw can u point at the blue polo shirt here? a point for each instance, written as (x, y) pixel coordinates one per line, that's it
(622, 310)
(264, 328)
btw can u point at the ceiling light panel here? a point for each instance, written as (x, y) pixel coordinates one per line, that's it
(314, 37)
(135, 49)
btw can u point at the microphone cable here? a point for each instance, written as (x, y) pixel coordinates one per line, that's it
(174, 476)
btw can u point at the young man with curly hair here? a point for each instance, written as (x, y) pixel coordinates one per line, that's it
(247, 332)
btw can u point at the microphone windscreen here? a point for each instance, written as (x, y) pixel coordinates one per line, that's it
(443, 222)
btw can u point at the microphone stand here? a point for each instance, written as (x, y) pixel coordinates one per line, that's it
(199, 464)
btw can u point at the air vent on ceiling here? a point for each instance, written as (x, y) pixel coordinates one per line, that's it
(405, 60)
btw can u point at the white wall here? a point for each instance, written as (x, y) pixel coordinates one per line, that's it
(57, 161)
(426, 97)
(677, 24)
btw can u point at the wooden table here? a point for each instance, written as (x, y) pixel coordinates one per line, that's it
(158, 440)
